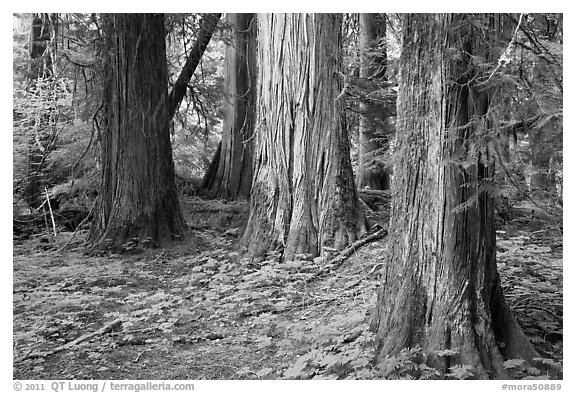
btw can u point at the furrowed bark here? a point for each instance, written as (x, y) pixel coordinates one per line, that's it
(303, 193)
(440, 286)
(138, 198)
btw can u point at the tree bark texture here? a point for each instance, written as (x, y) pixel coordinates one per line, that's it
(303, 194)
(230, 176)
(374, 129)
(440, 288)
(138, 199)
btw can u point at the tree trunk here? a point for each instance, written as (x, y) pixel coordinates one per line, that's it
(441, 289)
(373, 131)
(207, 28)
(232, 177)
(303, 194)
(138, 199)
(40, 59)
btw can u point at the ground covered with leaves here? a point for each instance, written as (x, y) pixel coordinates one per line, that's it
(197, 310)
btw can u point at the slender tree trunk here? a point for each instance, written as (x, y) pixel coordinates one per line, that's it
(207, 27)
(230, 176)
(441, 289)
(303, 194)
(374, 130)
(138, 199)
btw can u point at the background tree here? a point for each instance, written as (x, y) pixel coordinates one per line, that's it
(40, 39)
(531, 108)
(42, 140)
(138, 198)
(441, 288)
(303, 194)
(54, 107)
(374, 129)
(197, 121)
(230, 173)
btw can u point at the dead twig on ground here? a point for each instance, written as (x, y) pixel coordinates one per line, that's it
(103, 330)
(347, 252)
(51, 213)
(357, 282)
(79, 226)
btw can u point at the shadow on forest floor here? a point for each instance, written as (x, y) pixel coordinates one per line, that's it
(196, 310)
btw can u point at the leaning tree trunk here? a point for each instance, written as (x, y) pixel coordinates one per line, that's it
(440, 286)
(230, 174)
(208, 25)
(138, 199)
(303, 194)
(374, 129)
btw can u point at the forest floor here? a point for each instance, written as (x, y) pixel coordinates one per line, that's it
(196, 310)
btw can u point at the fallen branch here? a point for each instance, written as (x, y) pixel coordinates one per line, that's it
(365, 206)
(344, 254)
(268, 308)
(529, 306)
(103, 330)
(347, 252)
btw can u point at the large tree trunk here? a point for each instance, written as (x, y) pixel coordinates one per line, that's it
(374, 129)
(303, 194)
(138, 199)
(440, 286)
(230, 174)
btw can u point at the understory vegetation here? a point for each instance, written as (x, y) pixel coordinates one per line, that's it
(200, 311)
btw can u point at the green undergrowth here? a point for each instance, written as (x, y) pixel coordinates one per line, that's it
(198, 310)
